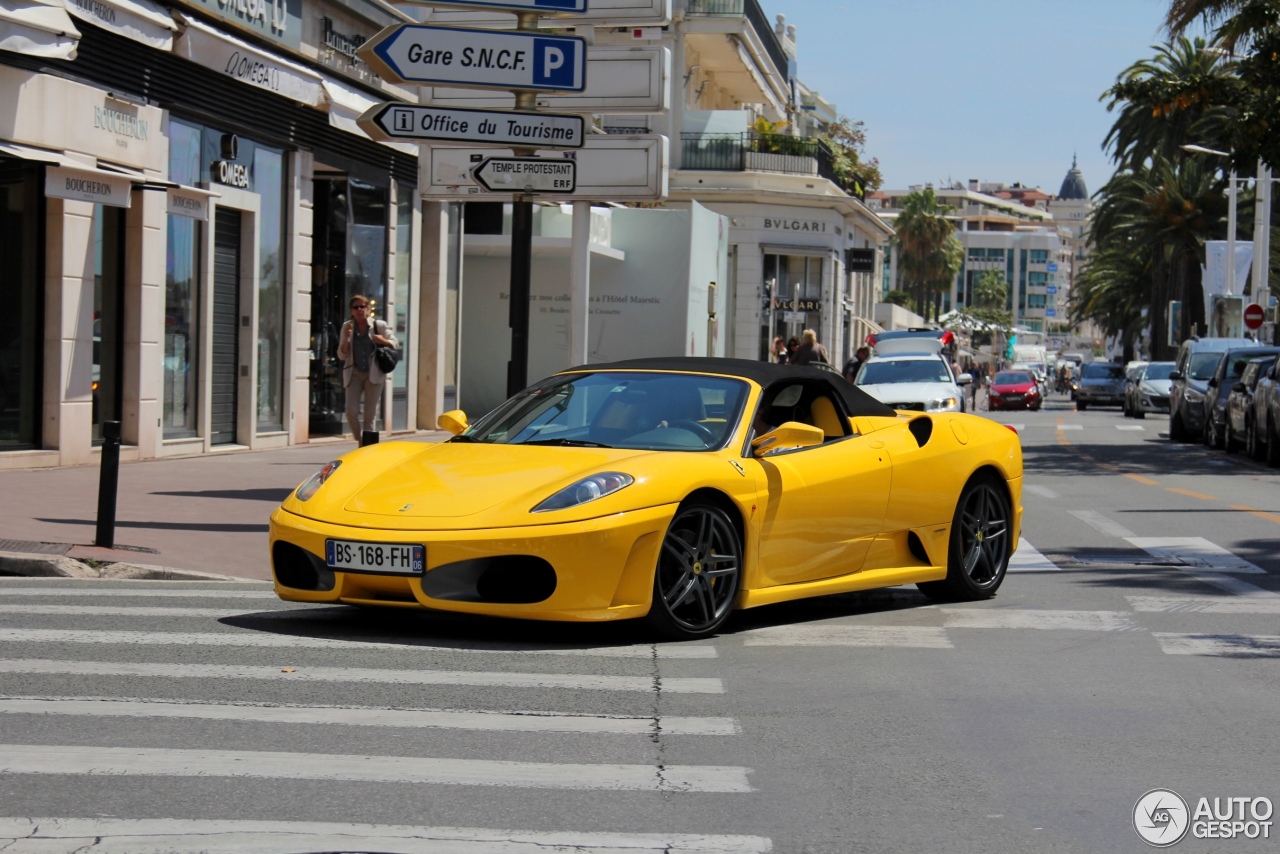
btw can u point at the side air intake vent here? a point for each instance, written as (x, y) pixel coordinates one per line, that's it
(922, 429)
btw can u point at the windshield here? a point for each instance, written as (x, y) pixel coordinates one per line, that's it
(641, 411)
(1158, 371)
(1202, 366)
(904, 371)
(1103, 371)
(1011, 378)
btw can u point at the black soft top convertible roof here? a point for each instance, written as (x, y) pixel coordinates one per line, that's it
(765, 374)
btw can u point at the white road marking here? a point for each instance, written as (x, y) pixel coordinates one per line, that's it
(1042, 491)
(1017, 426)
(165, 836)
(1198, 551)
(922, 637)
(135, 611)
(1021, 618)
(588, 682)
(259, 639)
(1070, 426)
(1027, 559)
(85, 592)
(1102, 524)
(281, 765)
(1135, 427)
(1228, 646)
(363, 716)
(1192, 605)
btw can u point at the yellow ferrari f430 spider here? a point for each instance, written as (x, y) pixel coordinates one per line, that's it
(674, 489)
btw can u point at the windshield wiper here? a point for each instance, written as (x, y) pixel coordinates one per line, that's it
(577, 443)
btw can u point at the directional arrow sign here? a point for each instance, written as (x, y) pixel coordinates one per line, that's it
(526, 175)
(393, 121)
(481, 59)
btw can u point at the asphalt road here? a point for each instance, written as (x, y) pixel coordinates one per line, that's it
(1133, 647)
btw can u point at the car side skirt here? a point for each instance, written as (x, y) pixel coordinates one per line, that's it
(866, 580)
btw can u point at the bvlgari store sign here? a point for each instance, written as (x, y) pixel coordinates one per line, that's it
(88, 186)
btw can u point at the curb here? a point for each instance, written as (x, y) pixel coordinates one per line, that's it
(58, 566)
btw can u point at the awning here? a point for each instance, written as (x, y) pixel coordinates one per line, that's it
(251, 65)
(347, 104)
(38, 28)
(140, 20)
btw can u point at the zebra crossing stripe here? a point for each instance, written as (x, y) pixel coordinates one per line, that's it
(1028, 559)
(1022, 618)
(1220, 645)
(279, 765)
(1131, 427)
(1205, 554)
(82, 592)
(153, 836)
(1042, 491)
(1102, 524)
(348, 716)
(1191, 605)
(131, 611)
(259, 639)
(921, 637)
(567, 681)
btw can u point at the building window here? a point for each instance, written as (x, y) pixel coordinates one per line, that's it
(182, 292)
(1035, 300)
(1036, 279)
(268, 183)
(399, 379)
(792, 277)
(1039, 256)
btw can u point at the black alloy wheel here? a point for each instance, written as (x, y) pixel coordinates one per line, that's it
(698, 574)
(981, 543)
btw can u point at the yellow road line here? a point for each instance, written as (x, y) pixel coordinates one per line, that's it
(1191, 494)
(1140, 479)
(1261, 514)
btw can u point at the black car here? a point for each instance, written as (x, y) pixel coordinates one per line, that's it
(1228, 372)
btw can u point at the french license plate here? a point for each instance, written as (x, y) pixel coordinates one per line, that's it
(380, 558)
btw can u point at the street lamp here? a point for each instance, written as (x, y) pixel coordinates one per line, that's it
(1231, 213)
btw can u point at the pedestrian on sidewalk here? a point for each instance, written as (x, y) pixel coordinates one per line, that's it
(810, 350)
(361, 376)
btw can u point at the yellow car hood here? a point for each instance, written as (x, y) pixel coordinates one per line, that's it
(455, 485)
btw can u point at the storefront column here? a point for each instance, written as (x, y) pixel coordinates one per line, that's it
(750, 297)
(144, 277)
(433, 314)
(68, 338)
(301, 205)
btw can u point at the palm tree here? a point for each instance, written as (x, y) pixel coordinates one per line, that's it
(1236, 20)
(991, 290)
(929, 254)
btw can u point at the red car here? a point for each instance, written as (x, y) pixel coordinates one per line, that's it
(1014, 390)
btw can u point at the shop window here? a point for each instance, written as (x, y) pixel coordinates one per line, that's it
(268, 183)
(399, 378)
(21, 245)
(182, 293)
(791, 278)
(108, 320)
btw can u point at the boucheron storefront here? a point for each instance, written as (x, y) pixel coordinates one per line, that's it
(182, 234)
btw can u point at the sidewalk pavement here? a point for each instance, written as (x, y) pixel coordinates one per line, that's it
(175, 517)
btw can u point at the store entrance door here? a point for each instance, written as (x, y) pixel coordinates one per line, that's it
(226, 327)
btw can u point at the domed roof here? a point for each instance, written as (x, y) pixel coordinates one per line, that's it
(1073, 185)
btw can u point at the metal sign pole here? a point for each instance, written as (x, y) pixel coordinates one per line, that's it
(521, 251)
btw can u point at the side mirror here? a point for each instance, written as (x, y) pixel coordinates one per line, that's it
(1175, 375)
(793, 434)
(454, 421)
(1238, 387)
(964, 379)
(1213, 383)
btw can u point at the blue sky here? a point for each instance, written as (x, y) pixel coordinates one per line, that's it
(999, 90)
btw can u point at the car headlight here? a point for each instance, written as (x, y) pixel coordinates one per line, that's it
(942, 403)
(313, 483)
(587, 489)
(1192, 396)
(1146, 389)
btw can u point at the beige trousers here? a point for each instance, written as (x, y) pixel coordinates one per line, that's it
(357, 389)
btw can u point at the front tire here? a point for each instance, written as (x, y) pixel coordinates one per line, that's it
(981, 544)
(698, 574)
(1178, 429)
(1251, 449)
(1273, 444)
(1081, 406)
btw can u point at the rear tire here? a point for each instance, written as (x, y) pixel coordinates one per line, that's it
(698, 574)
(1178, 429)
(1251, 448)
(981, 544)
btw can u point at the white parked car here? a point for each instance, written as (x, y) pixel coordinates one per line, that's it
(911, 373)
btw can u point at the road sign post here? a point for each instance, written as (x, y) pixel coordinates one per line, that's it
(484, 59)
(1254, 315)
(419, 122)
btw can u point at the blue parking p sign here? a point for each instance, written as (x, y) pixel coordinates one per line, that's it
(552, 65)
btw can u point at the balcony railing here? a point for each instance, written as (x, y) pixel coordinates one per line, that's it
(763, 152)
(756, 17)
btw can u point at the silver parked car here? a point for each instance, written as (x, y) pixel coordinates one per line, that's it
(1240, 410)
(1101, 384)
(1150, 390)
(1262, 441)
(1198, 358)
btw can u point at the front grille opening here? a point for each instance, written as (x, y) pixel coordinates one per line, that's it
(298, 568)
(506, 580)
